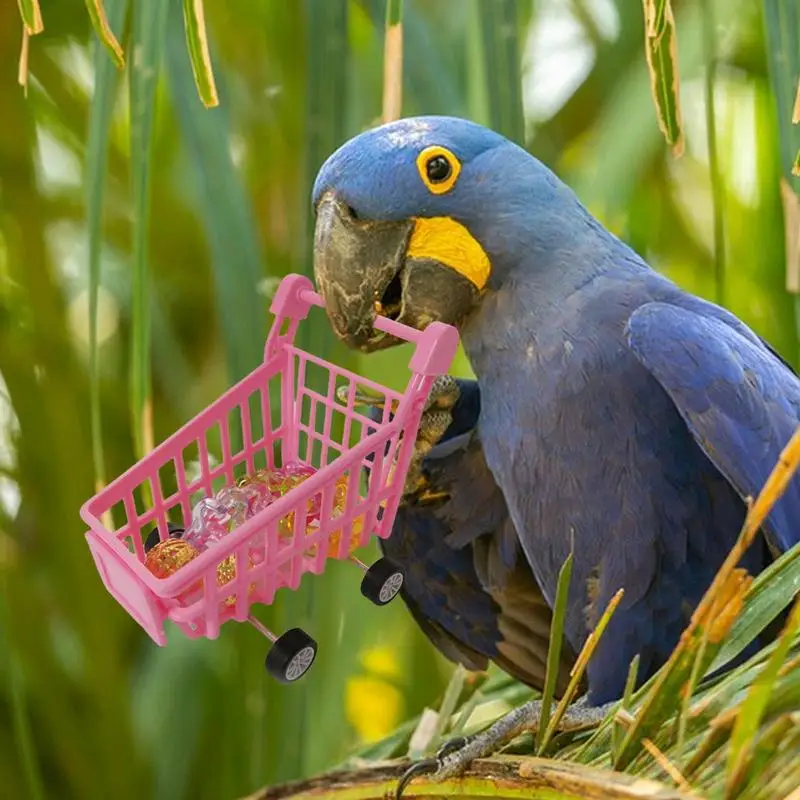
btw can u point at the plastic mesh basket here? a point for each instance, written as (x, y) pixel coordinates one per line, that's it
(286, 411)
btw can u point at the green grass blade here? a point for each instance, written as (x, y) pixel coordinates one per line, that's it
(717, 185)
(31, 16)
(327, 603)
(97, 13)
(255, 731)
(227, 215)
(554, 647)
(101, 111)
(770, 593)
(394, 12)
(657, 17)
(149, 30)
(431, 80)
(752, 710)
(617, 730)
(662, 61)
(782, 22)
(12, 666)
(455, 689)
(688, 689)
(197, 43)
(663, 693)
(478, 90)
(500, 29)
(579, 668)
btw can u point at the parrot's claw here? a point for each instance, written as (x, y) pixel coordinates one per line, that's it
(424, 767)
(430, 766)
(444, 394)
(362, 395)
(452, 746)
(457, 754)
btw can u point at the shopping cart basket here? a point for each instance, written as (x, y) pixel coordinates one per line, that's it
(294, 408)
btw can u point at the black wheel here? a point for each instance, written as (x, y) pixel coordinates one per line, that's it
(291, 656)
(382, 582)
(175, 532)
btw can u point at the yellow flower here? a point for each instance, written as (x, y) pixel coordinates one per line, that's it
(373, 705)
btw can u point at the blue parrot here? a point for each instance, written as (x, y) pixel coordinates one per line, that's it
(467, 582)
(614, 415)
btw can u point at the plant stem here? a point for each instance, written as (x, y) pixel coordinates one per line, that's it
(717, 187)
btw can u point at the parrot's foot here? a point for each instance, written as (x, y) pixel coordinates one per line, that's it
(457, 754)
(444, 394)
(435, 420)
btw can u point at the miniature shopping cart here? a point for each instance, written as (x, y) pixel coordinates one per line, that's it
(294, 408)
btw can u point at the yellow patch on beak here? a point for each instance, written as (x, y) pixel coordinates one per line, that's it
(449, 242)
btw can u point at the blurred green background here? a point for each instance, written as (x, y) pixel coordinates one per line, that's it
(185, 218)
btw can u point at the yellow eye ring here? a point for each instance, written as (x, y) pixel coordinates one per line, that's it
(438, 168)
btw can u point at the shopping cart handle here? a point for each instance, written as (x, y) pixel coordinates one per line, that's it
(436, 345)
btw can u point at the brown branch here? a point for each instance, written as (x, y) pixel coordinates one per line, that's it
(499, 777)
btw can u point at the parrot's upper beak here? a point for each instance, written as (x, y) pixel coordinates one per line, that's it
(364, 268)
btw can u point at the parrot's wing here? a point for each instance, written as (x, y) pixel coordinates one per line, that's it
(466, 587)
(740, 401)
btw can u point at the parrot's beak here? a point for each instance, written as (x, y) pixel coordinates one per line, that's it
(364, 268)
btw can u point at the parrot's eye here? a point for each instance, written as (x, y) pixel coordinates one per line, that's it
(438, 168)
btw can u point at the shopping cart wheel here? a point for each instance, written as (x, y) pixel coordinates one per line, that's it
(291, 656)
(175, 532)
(382, 582)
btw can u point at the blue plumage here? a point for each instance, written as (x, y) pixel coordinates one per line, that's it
(620, 417)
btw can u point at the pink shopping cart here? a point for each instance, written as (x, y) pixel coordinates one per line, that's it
(293, 409)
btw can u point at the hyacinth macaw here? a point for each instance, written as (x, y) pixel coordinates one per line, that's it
(614, 415)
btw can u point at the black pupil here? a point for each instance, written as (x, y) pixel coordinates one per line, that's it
(438, 169)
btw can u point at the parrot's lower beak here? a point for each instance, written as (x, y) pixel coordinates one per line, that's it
(364, 268)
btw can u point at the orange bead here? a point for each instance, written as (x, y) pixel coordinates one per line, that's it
(167, 557)
(226, 572)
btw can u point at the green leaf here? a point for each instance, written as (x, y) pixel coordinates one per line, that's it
(662, 61)
(226, 212)
(656, 16)
(554, 647)
(770, 593)
(197, 42)
(101, 112)
(431, 84)
(579, 668)
(715, 173)
(394, 12)
(783, 59)
(147, 41)
(664, 692)
(97, 14)
(31, 16)
(752, 710)
(451, 697)
(498, 22)
(24, 737)
(625, 704)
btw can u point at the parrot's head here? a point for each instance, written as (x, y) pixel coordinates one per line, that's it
(418, 218)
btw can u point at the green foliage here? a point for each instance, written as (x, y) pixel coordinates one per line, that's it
(140, 237)
(197, 43)
(662, 60)
(105, 30)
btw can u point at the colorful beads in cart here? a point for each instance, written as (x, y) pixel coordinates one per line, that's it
(215, 517)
